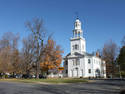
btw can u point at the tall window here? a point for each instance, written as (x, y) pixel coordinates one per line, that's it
(74, 62)
(66, 71)
(89, 70)
(77, 62)
(66, 62)
(89, 61)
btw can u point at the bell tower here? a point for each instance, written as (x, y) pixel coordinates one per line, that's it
(77, 42)
(77, 32)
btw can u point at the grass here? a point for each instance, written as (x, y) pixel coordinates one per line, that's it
(50, 80)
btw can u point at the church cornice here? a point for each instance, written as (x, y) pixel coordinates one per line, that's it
(78, 38)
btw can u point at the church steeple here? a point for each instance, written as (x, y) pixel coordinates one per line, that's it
(77, 32)
(78, 43)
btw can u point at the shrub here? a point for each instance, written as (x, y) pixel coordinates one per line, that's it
(123, 74)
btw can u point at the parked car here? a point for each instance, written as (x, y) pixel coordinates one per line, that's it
(26, 76)
(42, 76)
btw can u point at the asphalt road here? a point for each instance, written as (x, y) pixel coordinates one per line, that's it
(98, 87)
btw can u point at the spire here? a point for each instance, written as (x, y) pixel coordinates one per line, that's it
(77, 15)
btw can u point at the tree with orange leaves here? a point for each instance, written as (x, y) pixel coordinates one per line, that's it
(52, 56)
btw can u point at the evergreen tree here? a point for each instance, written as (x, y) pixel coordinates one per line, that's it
(121, 58)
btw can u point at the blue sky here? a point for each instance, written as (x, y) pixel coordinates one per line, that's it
(102, 20)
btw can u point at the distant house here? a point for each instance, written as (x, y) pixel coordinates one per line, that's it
(56, 73)
(79, 63)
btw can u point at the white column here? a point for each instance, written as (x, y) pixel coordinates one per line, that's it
(77, 34)
(74, 34)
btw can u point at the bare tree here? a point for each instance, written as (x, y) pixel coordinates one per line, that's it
(38, 32)
(9, 52)
(5, 60)
(15, 54)
(27, 54)
(109, 54)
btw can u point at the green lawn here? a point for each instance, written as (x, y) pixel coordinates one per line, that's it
(50, 80)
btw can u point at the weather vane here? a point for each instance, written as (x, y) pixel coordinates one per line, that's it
(77, 15)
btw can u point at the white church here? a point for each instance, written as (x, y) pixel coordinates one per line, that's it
(79, 63)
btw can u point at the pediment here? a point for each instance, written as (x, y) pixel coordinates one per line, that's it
(75, 55)
(78, 55)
